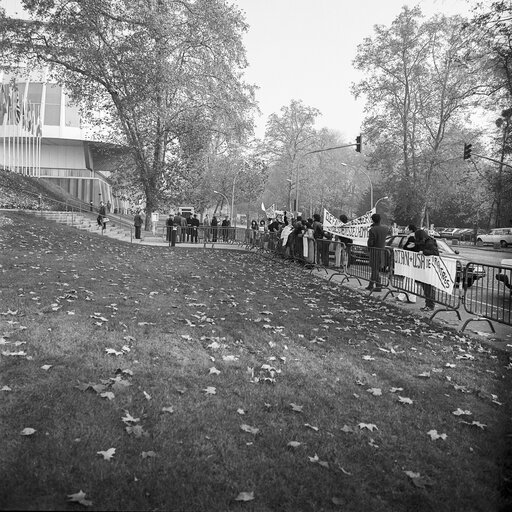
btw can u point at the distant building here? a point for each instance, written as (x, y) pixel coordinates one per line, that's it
(41, 136)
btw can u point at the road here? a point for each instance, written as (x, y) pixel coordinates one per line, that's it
(486, 256)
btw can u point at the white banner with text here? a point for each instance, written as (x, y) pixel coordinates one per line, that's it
(434, 270)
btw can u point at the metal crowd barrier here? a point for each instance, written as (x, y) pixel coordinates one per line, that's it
(361, 260)
(490, 297)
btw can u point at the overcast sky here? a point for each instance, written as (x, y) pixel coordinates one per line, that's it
(303, 49)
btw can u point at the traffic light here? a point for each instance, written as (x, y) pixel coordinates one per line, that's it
(467, 151)
(359, 141)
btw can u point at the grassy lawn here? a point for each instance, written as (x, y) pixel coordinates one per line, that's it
(220, 380)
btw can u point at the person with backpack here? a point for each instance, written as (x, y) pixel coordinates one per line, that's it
(427, 246)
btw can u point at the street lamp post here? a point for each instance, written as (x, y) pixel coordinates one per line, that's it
(379, 200)
(369, 181)
(227, 200)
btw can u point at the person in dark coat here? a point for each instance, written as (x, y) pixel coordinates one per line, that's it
(427, 246)
(322, 244)
(102, 213)
(194, 226)
(376, 243)
(225, 229)
(137, 222)
(169, 223)
(215, 224)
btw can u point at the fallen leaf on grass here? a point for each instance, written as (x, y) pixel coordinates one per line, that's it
(214, 371)
(369, 426)
(113, 351)
(28, 431)
(316, 460)
(425, 375)
(240, 411)
(369, 358)
(475, 424)
(249, 429)
(46, 367)
(311, 427)
(245, 496)
(129, 418)
(108, 394)
(145, 455)
(296, 408)
(394, 390)
(434, 435)
(136, 430)
(107, 454)
(418, 480)
(404, 400)
(6, 388)
(147, 396)
(168, 409)
(293, 444)
(460, 412)
(229, 358)
(346, 428)
(210, 390)
(375, 391)
(79, 497)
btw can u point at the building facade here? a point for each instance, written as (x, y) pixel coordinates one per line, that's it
(41, 136)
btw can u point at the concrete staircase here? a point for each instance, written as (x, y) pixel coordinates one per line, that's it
(117, 227)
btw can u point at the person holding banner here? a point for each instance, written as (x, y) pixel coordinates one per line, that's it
(376, 243)
(427, 246)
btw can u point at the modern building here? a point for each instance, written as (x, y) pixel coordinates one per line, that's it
(41, 135)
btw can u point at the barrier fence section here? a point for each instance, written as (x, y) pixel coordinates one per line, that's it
(364, 261)
(490, 297)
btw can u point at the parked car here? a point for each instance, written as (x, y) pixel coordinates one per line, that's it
(502, 236)
(474, 272)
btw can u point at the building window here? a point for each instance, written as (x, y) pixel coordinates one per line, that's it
(72, 114)
(52, 105)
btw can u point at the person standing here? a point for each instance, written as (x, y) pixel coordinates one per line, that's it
(322, 252)
(376, 244)
(169, 223)
(427, 246)
(225, 229)
(194, 227)
(215, 225)
(102, 213)
(137, 222)
(206, 224)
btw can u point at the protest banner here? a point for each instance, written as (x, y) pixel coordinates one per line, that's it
(434, 270)
(356, 229)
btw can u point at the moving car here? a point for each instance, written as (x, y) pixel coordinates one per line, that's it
(502, 236)
(474, 272)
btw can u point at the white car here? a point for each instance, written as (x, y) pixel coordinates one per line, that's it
(502, 236)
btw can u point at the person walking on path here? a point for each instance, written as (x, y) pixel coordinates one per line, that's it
(102, 213)
(427, 246)
(137, 222)
(376, 243)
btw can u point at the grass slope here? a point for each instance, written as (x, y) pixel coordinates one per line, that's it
(19, 191)
(200, 367)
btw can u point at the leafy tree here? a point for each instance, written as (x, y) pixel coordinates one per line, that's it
(417, 90)
(288, 137)
(161, 77)
(492, 23)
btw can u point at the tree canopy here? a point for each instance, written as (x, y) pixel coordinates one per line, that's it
(162, 77)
